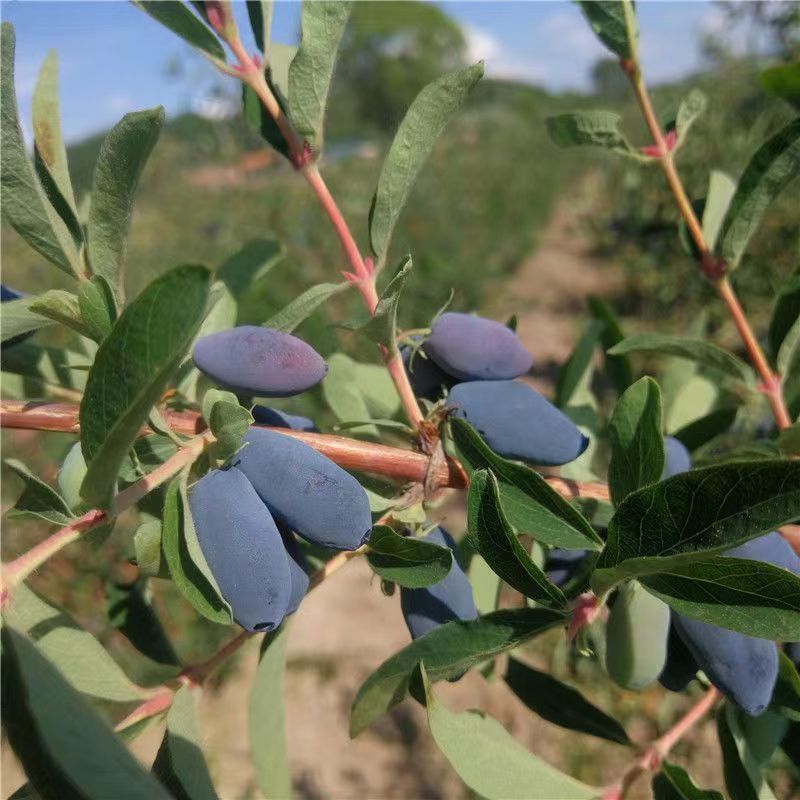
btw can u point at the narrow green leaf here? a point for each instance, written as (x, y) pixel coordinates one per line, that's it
(697, 514)
(58, 735)
(423, 124)
(45, 365)
(673, 783)
(344, 395)
(701, 431)
(60, 306)
(615, 28)
(618, 367)
(637, 446)
(17, 319)
(771, 169)
(688, 112)
(529, 504)
(784, 315)
(82, 661)
(786, 697)
(721, 188)
(183, 555)
(590, 129)
(485, 584)
(751, 597)
(492, 536)
(176, 16)
(50, 154)
(249, 265)
(229, 422)
(147, 550)
(24, 203)
(322, 24)
(180, 764)
(698, 350)
(256, 115)
(789, 353)
(122, 157)
(693, 399)
(37, 499)
(490, 761)
(447, 651)
(743, 778)
(580, 360)
(303, 306)
(380, 393)
(131, 370)
(561, 704)
(406, 560)
(97, 307)
(260, 14)
(266, 718)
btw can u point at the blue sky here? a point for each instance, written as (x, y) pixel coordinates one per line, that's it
(112, 56)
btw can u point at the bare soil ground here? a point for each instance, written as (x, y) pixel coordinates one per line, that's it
(347, 627)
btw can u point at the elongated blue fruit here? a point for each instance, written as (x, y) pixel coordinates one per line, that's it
(563, 564)
(680, 667)
(771, 548)
(265, 415)
(741, 667)
(676, 457)
(450, 599)
(426, 378)
(636, 637)
(260, 361)
(476, 348)
(306, 491)
(243, 549)
(297, 569)
(517, 422)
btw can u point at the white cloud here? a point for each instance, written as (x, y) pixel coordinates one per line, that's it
(499, 60)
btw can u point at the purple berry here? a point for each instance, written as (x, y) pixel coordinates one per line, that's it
(265, 415)
(676, 458)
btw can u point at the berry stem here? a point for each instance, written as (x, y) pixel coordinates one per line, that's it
(713, 268)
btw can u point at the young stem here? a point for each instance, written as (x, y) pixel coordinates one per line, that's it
(714, 270)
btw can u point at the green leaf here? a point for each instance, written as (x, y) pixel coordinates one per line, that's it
(249, 265)
(485, 584)
(784, 315)
(24, 203)
(82, 661)
(97, 307)
(228, 421)
(258, 117)
(66, 748)
(771, 169)
(492, 536)
(322, 24)
(423, 124)
(176, 16)
(344, 395)
(579, 361)
(697, 514)
(693, 399)
(406, 560)
(721, 188)
(132, 368)
(266, 718)
(447, 651)
(688, 112)
(530, 505)
(492, 763)
(561, 704)
(701, 431)
(50, 154)
(37, 499)
(180, 764)
(613, 24)
(380, 393)
(637, 446)
(590, 129)
(260, 15)
(60, 306)
(743, 778)
(673, 783)
(786, 697)
(185, 559)
(789, 354)
(698, 350)
(147, 550)
(303, 306)
(122, 157)
(618, 367)
(18, 319)
(751, 597)
(783, 80)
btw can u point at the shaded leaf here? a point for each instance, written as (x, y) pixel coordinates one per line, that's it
(743, 778)
(37, 499)
(492, 536)
(783, 80)
(447, 651)
(615, 28)
(228, 421)
(589, 129)
(249, 265)
(122, 157)
(637, 446)
(406, 560)
(688, 112)
(579, 361)
(97, 307)
(673, 783)
(60, 306)
(695, 434)
(784, 315)
(423, 124)
(260, 14)
(132, 368)
(530, 505)
(786, 696)
(771, 169)
(561, 704)
(697, 514)
(18, 319)
(176, 16)
(619, 368)
(490, 761)
(303, 306)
